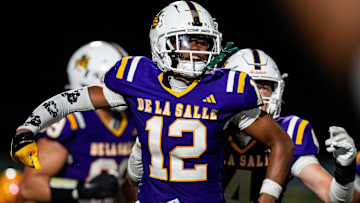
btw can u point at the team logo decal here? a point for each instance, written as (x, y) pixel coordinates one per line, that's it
(83, 61)
(156, 20)
(210, 99)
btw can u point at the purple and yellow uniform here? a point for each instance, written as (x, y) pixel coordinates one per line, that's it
(93, 143)
(181, 133)
(245, 165)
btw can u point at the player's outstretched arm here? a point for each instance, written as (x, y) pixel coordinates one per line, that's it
(267, 131)
(317, 179)
(313, 176)
(23, 146)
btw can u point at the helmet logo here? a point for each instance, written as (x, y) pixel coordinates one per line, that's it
(83, 61)
(156, 20)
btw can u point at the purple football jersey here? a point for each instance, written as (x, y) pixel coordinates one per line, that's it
(181, 133)
(245, 165)
(93, 143)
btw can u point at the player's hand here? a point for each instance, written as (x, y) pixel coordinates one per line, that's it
(24, 149)
(102, 186)
(341, 145)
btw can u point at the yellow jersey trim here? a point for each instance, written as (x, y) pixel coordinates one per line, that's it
(241, 151)
(72, 120)
(177, 94)
(117, 132)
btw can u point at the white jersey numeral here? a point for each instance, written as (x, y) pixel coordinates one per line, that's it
(176, 167)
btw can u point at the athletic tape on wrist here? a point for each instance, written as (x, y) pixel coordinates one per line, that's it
(345, 174)
(341, 193)
(271, 187)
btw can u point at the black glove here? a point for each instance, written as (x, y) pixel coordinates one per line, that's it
(100, 187)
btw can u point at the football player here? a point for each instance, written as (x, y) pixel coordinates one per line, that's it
(356, 198)
(180, 109)
(84, 156)
(246, 160)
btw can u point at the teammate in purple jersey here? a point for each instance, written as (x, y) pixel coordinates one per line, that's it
(246, 160)
(91, 146)
(180, 109)
(356, 198)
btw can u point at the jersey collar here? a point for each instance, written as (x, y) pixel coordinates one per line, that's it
(177, 94)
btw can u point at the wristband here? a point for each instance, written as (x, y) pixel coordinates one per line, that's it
(345, 174)
(271, 187)
(341, 193)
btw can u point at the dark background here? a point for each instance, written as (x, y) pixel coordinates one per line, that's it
(38, 41)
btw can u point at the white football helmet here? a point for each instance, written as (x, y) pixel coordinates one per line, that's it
(173, 30)
(90, 62)
(261, 66)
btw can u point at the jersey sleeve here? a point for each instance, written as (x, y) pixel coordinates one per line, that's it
(121, 77)
(241, 92)
(303, 137)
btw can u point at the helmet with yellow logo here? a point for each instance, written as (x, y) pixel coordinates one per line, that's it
(90, 62)
(10, 180)
(174, 31)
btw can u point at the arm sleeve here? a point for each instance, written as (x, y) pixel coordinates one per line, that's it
(57, 107)
(135, 167)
